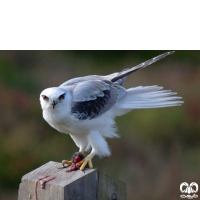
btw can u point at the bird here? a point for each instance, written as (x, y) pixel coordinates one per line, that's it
(86, 107)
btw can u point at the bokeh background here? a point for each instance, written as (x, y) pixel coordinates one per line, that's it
(158, 149)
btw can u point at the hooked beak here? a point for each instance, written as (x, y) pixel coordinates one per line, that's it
(53, 103)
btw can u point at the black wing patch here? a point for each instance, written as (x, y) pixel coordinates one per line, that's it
(90, 109)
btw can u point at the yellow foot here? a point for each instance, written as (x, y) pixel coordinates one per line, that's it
(84, 162)
(68, 162)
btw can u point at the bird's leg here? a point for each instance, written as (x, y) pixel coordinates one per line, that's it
(86, 160)
(99, 147)
(82, 149)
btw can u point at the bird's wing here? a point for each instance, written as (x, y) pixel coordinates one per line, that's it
(77, 80)
(126, 72)
(117, 77)
(92, 98)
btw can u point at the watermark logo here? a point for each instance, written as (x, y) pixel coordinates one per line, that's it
(190, 190)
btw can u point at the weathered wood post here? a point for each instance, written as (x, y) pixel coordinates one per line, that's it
(75, 185)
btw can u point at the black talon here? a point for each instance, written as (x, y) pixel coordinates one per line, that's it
(64, 166)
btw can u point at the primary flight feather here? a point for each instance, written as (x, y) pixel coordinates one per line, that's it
(86, 107)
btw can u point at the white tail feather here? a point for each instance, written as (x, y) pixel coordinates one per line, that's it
(148, 97)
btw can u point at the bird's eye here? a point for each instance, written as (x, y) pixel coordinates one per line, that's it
(62, 96)
(45, 98)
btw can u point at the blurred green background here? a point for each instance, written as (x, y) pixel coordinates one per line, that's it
(158, 149)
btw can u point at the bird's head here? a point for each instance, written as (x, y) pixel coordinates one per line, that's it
(54, 97)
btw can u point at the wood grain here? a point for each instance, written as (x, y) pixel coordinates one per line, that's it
(76, 185)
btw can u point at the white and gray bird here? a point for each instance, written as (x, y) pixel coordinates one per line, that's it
(86, 107)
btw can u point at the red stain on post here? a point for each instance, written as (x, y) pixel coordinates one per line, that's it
(36, 183)
(42, 182)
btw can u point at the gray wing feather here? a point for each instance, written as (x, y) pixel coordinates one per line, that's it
(93, 98)
(78, 80)
(89, 90)
(140, 66)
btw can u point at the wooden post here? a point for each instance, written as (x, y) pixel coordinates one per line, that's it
(75, 185)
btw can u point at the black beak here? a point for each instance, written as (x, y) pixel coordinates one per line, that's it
(53, 104)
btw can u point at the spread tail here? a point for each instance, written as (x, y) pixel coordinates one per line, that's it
(148, 97)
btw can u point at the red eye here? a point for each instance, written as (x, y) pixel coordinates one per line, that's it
(45, 98)
(62, 96)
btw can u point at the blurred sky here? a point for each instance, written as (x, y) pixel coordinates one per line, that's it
(158, 149)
